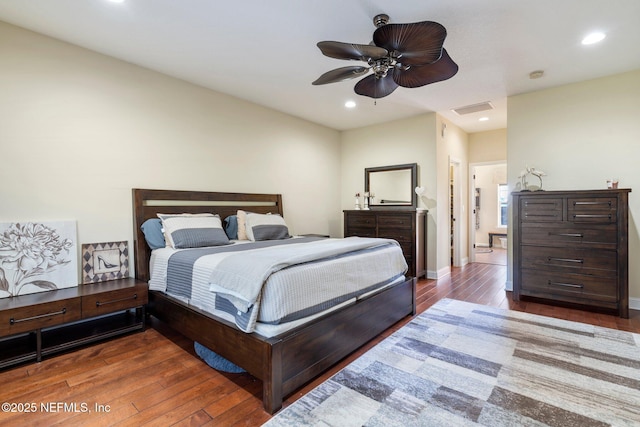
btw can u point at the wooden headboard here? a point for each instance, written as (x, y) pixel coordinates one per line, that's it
(148, 203)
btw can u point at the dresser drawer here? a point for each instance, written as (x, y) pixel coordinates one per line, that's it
(593, 210)
(361, 221)
(111, 301)
(546, 284)
(37, 316)
(602, 236)
(395, 221)
(595, 262)
(361, 232)
(541, 210)
(401, 236)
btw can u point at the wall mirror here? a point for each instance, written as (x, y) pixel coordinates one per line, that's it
(392, 186)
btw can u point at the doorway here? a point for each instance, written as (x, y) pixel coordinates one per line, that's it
(455, 209)
(488, 217)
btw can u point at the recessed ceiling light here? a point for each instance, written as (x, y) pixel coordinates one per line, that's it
(593, 38)
(350, 104)
(483, 119)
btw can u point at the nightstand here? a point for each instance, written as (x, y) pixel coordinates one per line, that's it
(39, 324)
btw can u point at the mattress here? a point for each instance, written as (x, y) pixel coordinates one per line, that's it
(289, 296)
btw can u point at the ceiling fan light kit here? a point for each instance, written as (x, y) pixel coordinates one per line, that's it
(408, 55)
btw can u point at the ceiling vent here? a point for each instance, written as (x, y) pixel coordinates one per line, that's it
(483, 106)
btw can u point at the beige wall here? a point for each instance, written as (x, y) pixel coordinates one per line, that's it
(452, 146)
(403, 141)
(79, 130)
(489, 146)
(580, 135)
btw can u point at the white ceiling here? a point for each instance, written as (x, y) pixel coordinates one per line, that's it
(265, 51)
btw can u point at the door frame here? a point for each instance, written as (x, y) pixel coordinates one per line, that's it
(455, 176)
(472, 203)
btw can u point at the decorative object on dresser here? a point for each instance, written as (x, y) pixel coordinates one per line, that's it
(572, 247)
(406, 227)
(524, 183)
(37, 257)
(104, 261)
(36, 325)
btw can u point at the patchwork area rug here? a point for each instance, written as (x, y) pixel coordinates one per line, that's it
(462, 364)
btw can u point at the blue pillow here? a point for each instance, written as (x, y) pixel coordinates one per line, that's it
(152, 229)
(231, 226)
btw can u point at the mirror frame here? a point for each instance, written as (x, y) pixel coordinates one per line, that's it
(412, 167)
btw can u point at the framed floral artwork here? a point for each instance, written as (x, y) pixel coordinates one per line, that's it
(104, 261)
(37, 257)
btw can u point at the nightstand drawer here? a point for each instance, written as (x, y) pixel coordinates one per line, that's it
(30, 318)
(113, 300)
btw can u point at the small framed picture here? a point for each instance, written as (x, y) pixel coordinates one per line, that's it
(104, 261)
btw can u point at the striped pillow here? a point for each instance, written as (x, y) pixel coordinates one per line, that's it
(193, 230)
(266, 227)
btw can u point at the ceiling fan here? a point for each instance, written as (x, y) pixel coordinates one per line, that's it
(407, 55)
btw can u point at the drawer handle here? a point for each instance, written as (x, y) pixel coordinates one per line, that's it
(13, 321)
(592, 203)
(591, 216)
(567, 234)
(98, 303)
(541, 215)
(566, 285)
(581, 261)
(528, 203)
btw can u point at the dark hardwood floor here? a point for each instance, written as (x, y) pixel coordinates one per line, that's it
(155, 378)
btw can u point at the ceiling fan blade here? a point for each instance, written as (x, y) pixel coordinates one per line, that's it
(417, 43)
(420, 75)
(374, 87)
(359, 52)
(340, 74)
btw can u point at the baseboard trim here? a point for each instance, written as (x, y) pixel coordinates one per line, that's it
(634, 303)
(508, 285)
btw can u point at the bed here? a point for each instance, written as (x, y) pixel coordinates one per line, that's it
(282, 361)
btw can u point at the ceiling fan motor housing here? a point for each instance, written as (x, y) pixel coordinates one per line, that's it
(380, 20)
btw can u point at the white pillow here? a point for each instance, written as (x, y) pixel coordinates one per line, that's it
(266, 227)
(242, 228)
(193, 230)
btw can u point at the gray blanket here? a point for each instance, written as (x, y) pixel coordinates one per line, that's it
(241, 281)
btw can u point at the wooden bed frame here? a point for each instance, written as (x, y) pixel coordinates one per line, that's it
(285, 362)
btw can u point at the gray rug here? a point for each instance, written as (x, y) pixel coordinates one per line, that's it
(460, 364)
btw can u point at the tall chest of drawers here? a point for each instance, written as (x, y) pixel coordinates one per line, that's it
(406, 227)
(572, 247)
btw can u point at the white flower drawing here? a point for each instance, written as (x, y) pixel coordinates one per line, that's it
(29, 250)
